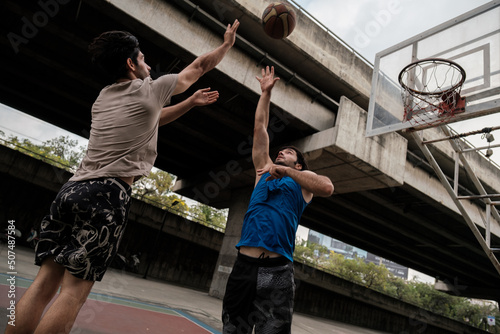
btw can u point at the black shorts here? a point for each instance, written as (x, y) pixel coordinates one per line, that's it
(85, 226)
(259, 293)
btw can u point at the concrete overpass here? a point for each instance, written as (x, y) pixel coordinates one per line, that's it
(387, 199)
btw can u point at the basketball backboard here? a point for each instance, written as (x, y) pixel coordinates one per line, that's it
(471, 40)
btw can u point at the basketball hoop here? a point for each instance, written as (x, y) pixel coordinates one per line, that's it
(430, 89)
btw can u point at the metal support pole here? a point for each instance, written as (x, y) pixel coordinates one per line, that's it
(457, 170)
(479, 196)
(444, 181)
(488, 222)
(450, 136)
(479, 148)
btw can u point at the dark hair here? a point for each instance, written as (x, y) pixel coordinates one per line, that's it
(109, 52)
(300, 157)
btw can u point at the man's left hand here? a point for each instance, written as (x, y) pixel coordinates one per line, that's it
(275, 171)
(205, 96)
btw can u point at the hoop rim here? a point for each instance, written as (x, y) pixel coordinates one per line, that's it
(425, 60)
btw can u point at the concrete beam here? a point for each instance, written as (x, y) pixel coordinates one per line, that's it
(196, 39)
(321, 48)
(353, 161)
(34, 169)
(343, 153)
(469, 291)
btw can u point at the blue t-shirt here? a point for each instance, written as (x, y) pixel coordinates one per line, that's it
(273, 216)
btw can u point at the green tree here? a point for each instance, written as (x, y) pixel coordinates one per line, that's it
(311, 253)
(402, 290)
(468, 313)
(66, 149)
(209, 215)
(156, 189)
(379, 278)
(62, 151)
(350, 270)
(374, 276)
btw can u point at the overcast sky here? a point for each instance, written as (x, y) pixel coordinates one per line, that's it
(371, 26)
(368, 26)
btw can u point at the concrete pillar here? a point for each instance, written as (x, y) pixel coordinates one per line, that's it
(227, 255)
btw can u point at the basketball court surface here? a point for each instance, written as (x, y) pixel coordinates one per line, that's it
(107, 314)
(126, 303)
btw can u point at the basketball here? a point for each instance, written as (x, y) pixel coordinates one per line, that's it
(278, 20)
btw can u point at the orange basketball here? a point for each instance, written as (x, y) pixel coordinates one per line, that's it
(278, 20)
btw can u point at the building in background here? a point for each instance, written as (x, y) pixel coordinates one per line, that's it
(351, 252)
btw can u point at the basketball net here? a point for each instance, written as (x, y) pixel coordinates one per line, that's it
(430, 89)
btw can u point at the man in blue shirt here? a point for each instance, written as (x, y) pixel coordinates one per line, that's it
(260, 289)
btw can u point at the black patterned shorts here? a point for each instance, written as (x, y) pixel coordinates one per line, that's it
(259, 294)
(85, 225)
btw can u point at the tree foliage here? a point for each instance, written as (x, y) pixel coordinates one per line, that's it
(379, 278)
(209, 216)
(62, 151)
(309, 252)
(156, 189)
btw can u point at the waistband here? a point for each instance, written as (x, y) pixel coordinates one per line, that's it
(124, 186)
(264, 262)
(119, 182)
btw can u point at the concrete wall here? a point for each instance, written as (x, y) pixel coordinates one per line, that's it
(324, 295)
(316, 45)
(172, 255)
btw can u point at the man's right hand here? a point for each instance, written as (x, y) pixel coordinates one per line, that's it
(207, 61)
(230, 34)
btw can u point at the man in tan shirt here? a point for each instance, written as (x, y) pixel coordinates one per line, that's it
(80, 236)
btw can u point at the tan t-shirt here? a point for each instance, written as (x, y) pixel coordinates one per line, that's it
(124, 131)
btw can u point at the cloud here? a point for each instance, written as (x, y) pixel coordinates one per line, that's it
(371, 26)
(13, 122)
(337, 15)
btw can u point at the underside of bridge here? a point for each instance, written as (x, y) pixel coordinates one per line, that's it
(47, 74)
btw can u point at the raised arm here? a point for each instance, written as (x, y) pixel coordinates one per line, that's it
(260, 149)
(201, 97)
(311, 183)
(206, 62)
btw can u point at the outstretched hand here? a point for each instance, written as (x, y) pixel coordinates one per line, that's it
(268, 80)
(275, 171)
(230, 34)
(203, 97)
